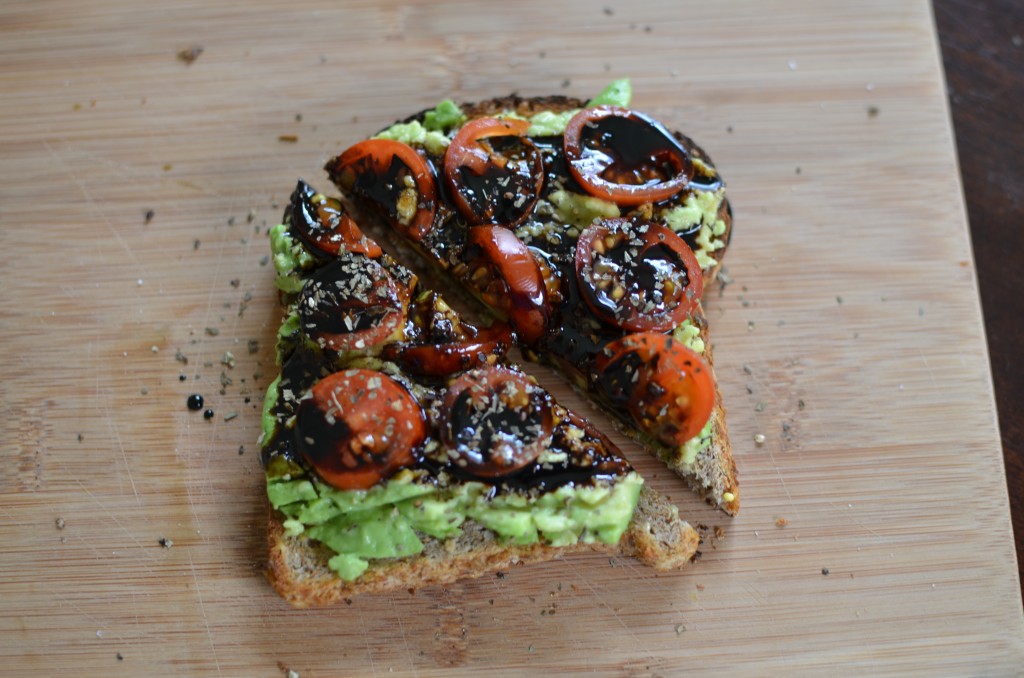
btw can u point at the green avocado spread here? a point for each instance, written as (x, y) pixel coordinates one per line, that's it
(391, 519)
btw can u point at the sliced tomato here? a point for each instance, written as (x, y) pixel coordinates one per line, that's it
(352, 303)
(321, 224)
(395, 178)
(666, 387)
(637, 275)
(359, 427)
(625, 156)
(444, 358)
(494, 422)
(495, 174)
(508, 278)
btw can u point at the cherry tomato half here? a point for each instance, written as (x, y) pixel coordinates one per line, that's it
(665, 386)
(495, 422)
(495, 174)
(637, 275)
(508, 278)
(444, 358)
(352, 303)
(359, 427)
(625, 156)
(320, 223)
(395, 178)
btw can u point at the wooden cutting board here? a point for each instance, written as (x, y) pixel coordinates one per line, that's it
(874, 536)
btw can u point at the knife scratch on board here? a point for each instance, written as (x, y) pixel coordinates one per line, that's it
(92, 203)
(202, 610)
(637, 643)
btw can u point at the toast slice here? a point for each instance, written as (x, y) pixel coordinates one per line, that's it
(362, 341)
(299, 571)
(572, 340)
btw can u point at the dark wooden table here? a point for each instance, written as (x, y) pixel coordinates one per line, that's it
(983, 52)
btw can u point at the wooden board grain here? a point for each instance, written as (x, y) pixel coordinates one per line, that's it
(850, 337)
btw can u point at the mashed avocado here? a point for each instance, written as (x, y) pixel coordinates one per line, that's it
(689, 335)
(618, 93)
(581, 210)
(388, 520)
(699, 207)
(444, 116)
(290, 259)
(415, 133)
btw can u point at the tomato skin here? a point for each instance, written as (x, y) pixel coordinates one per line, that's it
(393, 176)
(637, 287)
(442, 359)
(667, 388)
(494, 422)
(352, 303)
(648, 165)
(517, 288)
(487, 186)
(359, 427)
(323, 227)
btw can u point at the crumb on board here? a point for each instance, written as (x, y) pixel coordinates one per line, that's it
(824, 571)
(149, 215)
(165, 542)
(190, 54)
(288, 138)
(781, 522)
(59, 523)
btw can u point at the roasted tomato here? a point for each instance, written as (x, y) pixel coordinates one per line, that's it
(495, 174)
(359, 427)
(352, 303)
(321, 224)
(665, 386)
(507, 276)
(395, 178)
(625, 156)
(448, 357)
(637, 275)
(495, 422)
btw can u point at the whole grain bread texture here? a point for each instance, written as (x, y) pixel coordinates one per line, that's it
(298, 569)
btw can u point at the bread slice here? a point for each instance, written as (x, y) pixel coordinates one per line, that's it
(712, 473)
(298, 569)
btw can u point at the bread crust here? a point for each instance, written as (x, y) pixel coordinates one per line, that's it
(297, 566)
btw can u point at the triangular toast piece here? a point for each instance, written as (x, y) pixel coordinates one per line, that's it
(592, 229)
(403, 449)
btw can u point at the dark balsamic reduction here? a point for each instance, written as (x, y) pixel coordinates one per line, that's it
(503, 194)
(633, 151)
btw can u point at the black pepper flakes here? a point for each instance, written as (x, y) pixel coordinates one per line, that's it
(824, 571)
(149, 215)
